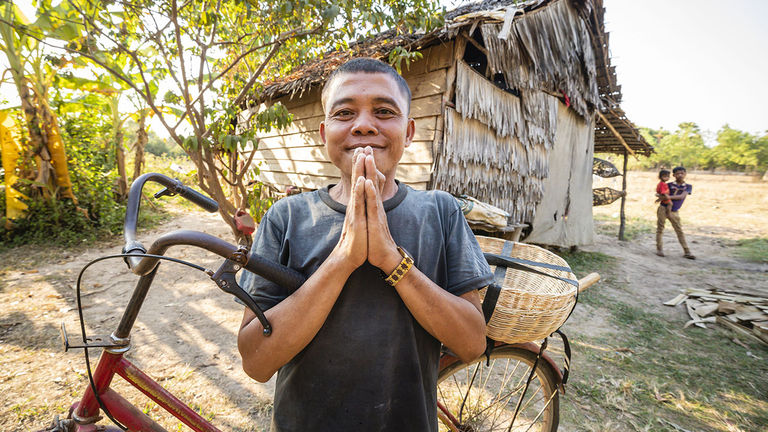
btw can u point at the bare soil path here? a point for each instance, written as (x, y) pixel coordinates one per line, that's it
(185, 334)
(184, 337)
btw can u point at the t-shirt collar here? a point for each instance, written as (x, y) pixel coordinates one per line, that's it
(325, 196)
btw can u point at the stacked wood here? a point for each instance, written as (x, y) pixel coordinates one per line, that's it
(746, 314)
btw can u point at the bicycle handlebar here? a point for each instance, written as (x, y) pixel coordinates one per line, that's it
(172, 187)
(201, 200)
(144, 265)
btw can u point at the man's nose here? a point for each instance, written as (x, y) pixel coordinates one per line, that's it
(365, 124)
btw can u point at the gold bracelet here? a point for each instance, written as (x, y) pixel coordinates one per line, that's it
(401, 270)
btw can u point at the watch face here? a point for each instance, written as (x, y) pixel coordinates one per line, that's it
(404, 253)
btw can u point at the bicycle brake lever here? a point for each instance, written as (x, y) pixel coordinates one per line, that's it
(225, 279)
(164, 192)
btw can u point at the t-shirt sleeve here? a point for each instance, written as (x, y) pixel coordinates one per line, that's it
(467, 268)
(689, 189)
(267, 243)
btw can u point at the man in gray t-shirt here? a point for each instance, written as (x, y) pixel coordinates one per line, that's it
(393, 273)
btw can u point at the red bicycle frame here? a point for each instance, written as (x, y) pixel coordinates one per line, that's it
(111, 362)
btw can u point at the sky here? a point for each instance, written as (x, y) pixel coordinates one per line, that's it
(701, 61)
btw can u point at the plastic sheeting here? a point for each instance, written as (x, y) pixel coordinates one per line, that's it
(564, 215)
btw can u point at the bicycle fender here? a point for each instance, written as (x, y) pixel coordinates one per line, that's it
(532, 347)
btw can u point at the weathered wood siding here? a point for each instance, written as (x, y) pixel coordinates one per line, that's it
(296, 155)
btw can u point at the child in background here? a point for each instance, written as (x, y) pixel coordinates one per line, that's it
(662, 191)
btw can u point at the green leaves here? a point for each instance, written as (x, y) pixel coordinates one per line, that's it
(191, 143)
(735, 149)
(400, 54)
(275, 116)
(330, 12)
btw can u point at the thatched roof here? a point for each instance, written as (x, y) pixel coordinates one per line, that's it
(317, 71)
(614, 133)
(614, 136)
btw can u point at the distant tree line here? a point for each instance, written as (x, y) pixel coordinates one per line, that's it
(735, 150)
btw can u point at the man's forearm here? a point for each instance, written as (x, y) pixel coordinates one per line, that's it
(295, 321)
(457, 322)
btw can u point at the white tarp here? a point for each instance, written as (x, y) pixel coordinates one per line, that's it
(564, 215)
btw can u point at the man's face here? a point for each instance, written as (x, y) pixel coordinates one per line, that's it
(679, 176)
(366, 109)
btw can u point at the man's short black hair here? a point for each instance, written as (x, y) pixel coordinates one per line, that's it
(678, 168)
(367, 65)
(663, 173)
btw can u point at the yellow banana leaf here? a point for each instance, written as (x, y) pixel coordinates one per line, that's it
(9, 144)
(59, 159)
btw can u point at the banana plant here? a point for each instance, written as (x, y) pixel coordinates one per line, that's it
(33, 74)
(212, 57)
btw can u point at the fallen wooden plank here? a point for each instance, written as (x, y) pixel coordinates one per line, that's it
(676, 301)
(725, 306)
(745, 308)
(760, 334)
(740, 330)
(751, 316)
(722, 296)
(702, 321)
(697, 319)
(706, 309)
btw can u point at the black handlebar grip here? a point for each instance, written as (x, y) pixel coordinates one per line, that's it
(279, 274)
(201, 200)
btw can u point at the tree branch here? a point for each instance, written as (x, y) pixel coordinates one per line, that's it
(185, 89)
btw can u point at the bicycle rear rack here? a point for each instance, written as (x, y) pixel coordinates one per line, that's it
(99, 341)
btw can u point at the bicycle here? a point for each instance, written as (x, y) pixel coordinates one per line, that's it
(99, 398)
(514, 387)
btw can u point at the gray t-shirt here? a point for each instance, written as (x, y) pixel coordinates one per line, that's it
(371, 367)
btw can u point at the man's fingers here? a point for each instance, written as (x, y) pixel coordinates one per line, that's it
(373, 173)
(359, 197)
(358, 164)
(382, 180)
(373, 205)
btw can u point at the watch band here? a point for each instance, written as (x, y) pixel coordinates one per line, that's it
(401, 270)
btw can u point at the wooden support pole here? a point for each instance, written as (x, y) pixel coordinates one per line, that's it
(622, 215)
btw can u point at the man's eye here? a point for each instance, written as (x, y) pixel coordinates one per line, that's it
(343, 113)
(385, 111)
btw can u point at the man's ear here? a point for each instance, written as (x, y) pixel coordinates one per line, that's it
(410, 132)
(322, 131)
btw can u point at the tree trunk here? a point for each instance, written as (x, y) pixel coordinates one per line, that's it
(122, 182)
(208, 179)
(141, 142)
(58, 155)
(38, 148)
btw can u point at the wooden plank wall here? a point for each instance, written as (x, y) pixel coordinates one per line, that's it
(296, 156)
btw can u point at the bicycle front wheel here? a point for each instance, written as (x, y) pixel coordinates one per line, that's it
(473, 397)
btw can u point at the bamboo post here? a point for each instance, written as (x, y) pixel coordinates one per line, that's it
(622, 215)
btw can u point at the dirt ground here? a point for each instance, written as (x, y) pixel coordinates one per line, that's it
(185, 334)
(722, 210)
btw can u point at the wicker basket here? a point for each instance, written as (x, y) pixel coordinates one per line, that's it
(530, 306)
